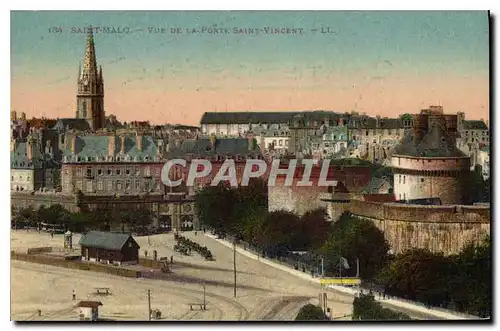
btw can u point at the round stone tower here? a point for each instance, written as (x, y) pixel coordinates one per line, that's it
(427, 164)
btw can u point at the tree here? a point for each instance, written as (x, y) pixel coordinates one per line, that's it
(365, 307)
(469, 280)
(310, 312)
(278, 232)
(314, 230)
(214, 207)
(417, 275)
(353, 238)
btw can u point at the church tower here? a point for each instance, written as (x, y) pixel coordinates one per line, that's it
(90, 85)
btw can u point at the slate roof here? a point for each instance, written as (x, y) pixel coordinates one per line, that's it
(94, 146)
(78, 124)
(474, 125)
(435, 143)
(89, 304)
(263, 117)
(223, 146)
(19, 158)
(105, 240)
(375, 184)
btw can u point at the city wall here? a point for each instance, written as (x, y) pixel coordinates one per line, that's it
(444, 229)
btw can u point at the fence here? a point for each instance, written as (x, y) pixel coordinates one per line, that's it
(39, 250)
(58, 262)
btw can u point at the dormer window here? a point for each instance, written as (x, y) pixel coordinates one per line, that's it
(89, 158)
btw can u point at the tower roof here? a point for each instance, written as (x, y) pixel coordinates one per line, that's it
(435, 143)
(90, 62)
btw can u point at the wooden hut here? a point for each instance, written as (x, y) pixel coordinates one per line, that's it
(109, 247)
(89, 310)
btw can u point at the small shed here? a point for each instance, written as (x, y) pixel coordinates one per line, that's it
(89, 310)
(109, 247)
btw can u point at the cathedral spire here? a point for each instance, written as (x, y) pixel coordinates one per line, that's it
(90, 63)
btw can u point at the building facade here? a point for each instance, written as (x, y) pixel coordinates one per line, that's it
(112, 165)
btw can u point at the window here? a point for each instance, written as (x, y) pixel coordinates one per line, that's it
(79, 171)
(66, 171)
(118, 185)
(21, 178)
(118, 171)
(28, 178)
(109, 171)
(137, 171)
(127, 171)
(89, 186)
(12, 178)
(389, 131)
(89, 172)
(399, 179)
(404, 179)
(100, 185)
(79, 185)
(127, 184)
(280, 142)
(421, 180)
(99, 171)
(146, 185)
(147, 171)
(366, 132)
(110, 185)
(136, 184)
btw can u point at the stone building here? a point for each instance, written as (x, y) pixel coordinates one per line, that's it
(90, 88)
(375, 137)
(112, 165)
(273, 141)
(31, 168)
(236, 124)
(427, 164)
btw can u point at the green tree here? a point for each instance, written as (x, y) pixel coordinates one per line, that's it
(310, 313)
(214, 207)
(469, 279)
(353, 238)
(417, 275)
(365, 307)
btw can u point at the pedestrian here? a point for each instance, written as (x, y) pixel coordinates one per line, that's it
(74, 295)
(51, 234)
(171, 259)
(196, 233)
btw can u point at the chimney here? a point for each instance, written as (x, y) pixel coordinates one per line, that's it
(251, 143)
(341, 121)
(72, 144)
(111, 144)
(122, 144)
(213, 140)
(29, 147)
(139, 140)
(159, 150)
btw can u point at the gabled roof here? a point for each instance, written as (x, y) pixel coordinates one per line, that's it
(19, 157)
(223, 146)
(97, 147)
(474, 125)
(105, 240)
(245, 117)
(78, 124)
